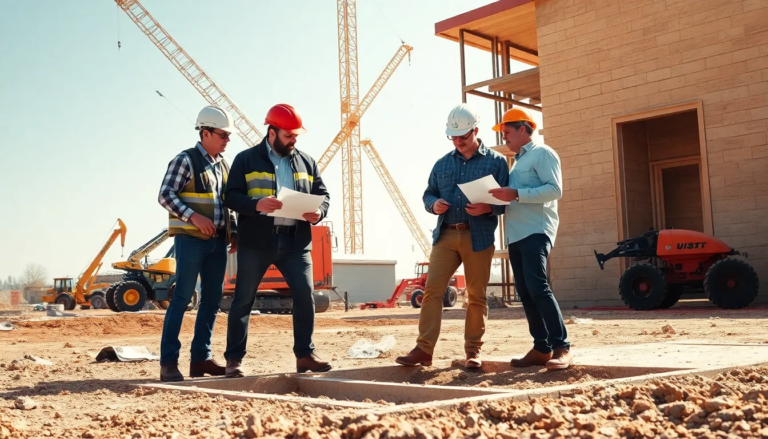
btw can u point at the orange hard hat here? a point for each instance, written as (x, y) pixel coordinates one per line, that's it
(285, 117)
(515, 115)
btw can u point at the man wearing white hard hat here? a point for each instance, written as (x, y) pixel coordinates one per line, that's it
(202, 228)
(465, 234)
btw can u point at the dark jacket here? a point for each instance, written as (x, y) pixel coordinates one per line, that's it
(251, 178)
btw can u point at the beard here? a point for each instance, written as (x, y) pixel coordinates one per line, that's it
(284, 149)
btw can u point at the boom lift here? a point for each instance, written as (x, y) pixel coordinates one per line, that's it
(65, 294)
(414, 290)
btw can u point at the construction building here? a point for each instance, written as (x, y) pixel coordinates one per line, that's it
(657, 108)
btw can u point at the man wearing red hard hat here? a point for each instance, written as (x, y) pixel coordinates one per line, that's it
(258, 174)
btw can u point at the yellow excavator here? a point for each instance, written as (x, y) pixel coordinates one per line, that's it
(145, 281)
(85, 293)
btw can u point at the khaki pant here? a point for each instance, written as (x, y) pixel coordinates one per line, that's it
(453, 248)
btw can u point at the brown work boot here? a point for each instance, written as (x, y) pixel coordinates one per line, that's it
(234, 369)
(532, 358)
(415, 357)
(311, 363)
(207, 367)
(170, 372)
(473, 361)
(561, 359)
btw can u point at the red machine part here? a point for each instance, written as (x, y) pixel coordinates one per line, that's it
(689, 254)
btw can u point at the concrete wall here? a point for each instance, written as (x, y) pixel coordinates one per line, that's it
(365, 280)
(602, 59)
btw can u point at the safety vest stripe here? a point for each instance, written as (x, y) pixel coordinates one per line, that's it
(261, 184)
(303, 176)
(173, 222)
(259, 192)
(259, 176)
(196, 194)
(197, 199)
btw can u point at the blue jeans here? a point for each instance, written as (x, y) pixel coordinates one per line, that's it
(208, 259)
(296, 267)
(528, 258)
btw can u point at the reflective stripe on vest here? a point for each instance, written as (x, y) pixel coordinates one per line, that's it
(303, 176)
(260, 184)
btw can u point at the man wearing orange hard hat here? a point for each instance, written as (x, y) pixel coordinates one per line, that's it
(535, 185)
(258, 175)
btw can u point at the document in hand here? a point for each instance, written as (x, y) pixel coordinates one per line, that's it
(296, 204)
(477, 191)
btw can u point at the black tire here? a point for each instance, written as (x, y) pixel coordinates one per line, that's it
(450, 297)
(731, 284)
(66, 300)
(643, 287)
(193, 304)
(674, 292)
(98, 301)
(322, 302)
(417, 296)
(130, 296)
(110, 297)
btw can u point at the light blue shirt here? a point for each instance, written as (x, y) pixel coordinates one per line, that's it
(537, 176)
(283, 178)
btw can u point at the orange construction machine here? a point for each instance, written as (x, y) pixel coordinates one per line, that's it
(681, 260)
(273, 294)
(414, 290)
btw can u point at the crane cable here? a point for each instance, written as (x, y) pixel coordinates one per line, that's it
(388, 22)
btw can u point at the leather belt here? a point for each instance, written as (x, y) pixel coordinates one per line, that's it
(283, 229)
(457, 226)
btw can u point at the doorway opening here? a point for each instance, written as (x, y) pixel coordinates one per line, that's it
(661, 171)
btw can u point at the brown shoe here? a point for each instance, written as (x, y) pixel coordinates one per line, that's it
(207, 367)
(532, 358)
(415, 357)
(473, 361)
(311, 363)
(561, 359)
(170, 372)
(234, 369)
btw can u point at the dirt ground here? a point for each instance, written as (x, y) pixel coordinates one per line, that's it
(77, 397)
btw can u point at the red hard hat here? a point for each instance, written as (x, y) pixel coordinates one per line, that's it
(285, 117)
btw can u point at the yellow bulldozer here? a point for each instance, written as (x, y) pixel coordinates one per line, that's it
(85, 292)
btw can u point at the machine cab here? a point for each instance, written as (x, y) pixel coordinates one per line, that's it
(422, 268)
(62, 285)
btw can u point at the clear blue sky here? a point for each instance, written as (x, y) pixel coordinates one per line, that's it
(86, 139)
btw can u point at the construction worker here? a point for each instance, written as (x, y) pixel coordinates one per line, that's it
(465, 233)
(535, 185)
(258, 175)
(192, 192)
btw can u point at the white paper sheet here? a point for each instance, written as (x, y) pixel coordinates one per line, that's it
(296, 204)
(477, 191)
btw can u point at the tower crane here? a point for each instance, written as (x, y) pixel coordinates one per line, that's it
(189, 68)
(352, 110)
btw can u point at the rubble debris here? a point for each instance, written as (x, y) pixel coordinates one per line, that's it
(25, 403)
(6, 326)
(667, 329)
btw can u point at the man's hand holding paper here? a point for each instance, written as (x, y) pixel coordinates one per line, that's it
(477, 191)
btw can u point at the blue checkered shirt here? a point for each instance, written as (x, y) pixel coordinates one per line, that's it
(450, 171)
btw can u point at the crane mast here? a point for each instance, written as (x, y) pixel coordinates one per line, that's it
(189, 68)
(351, 167)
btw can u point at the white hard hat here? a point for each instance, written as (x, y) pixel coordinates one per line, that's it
(214, 116)
(461, 120)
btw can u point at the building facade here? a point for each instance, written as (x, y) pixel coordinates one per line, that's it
(658, 110)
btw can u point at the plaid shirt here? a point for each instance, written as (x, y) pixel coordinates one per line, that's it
(450, 171)
(177, 176)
